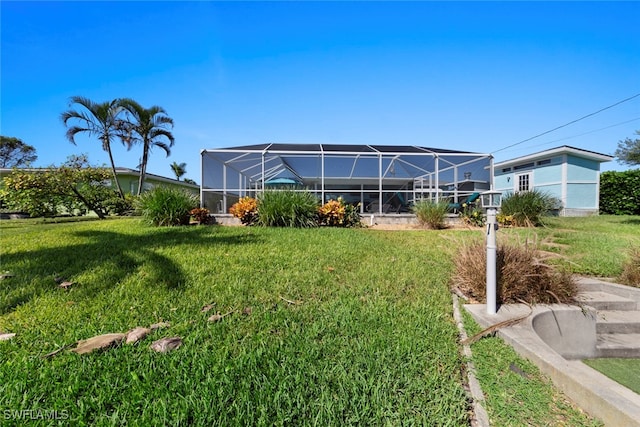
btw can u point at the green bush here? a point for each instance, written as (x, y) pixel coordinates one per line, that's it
(116, 205)
(620, 192)
(528, 208)
(287, 208)
(430, 213)
(337, 213)
(472, 215)
(166, 206)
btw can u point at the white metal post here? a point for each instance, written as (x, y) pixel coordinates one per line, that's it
(491, 261)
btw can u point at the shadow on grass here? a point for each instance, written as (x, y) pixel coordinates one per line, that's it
(631, 221)
(108, 258)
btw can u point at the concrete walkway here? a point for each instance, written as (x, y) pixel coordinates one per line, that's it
(555, 337)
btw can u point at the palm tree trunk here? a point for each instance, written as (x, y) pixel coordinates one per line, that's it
(143, 167)
(115, 176)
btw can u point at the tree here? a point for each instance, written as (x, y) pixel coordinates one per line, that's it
(190, 181)
(100, 119)
(179, 169)
(15, 153)
(629, 151)
(148, 127)
(72, 186)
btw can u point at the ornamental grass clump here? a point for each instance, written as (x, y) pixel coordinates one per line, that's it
(631, 268)
(523, 275)
(166, 206)
(245, 209)
(528, 208)
(431, 214)
(287, 208)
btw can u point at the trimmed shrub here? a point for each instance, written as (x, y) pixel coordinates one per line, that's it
(119, 206)
(631, 268)
(528, 208)
(472, 215)
(620, 192)
(337, 213)
(287, 208)
(246, 209)
(431, 214)
(523, 275)
(166, 206)
(200, 215)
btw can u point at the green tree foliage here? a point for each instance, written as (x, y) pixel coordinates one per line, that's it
(96, 119)
(71, 187)
(15, 153)
(620, 192)
(629, 151)
(148, 127)
(179, 169)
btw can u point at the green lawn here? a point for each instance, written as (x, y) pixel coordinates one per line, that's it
(369, 340)
(624, 371)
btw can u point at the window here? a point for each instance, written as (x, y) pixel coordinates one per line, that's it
(506, 170)
(523, 182)
(523, 166)
(544, 162)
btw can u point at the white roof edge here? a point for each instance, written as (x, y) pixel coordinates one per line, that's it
(565, 149)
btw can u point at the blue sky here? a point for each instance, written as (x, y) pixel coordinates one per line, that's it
(474, 76)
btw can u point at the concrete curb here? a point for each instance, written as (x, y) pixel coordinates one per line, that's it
(595, 393)
(480, 416)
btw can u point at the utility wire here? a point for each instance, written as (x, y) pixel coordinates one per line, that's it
(570, 123)
(581, 134)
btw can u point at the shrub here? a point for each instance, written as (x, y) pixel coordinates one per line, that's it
(620, 192)
(246, 209)
(504, 220)
(527, 208)
(200, 215)
(431, 214)
(166, 206)
(331, 213)
(337, 213)
(116, 205)
(522, 275)
(287, 208)
(472, 215)
(631, 268)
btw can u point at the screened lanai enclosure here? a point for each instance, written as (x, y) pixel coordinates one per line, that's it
(380, 179)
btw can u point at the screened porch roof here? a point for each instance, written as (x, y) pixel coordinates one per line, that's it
(339, 162)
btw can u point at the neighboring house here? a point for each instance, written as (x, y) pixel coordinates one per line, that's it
(128, 179)
(568, 173)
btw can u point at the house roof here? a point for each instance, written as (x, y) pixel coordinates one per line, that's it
(135, 172)
(564, 149)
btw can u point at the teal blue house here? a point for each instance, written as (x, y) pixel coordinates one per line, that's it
(568, 173)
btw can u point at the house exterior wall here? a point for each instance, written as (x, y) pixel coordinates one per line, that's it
(129, 184)
(573, 180)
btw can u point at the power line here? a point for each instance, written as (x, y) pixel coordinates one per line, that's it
(569, 123)
(581, 134)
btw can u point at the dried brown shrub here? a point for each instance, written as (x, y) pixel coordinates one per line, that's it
(522, 275)
(631, 268)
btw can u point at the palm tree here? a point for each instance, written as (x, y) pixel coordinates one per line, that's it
(149, 127)
(101, 119)
(179, 169)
